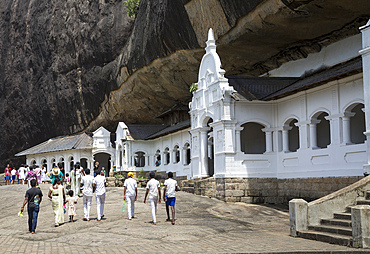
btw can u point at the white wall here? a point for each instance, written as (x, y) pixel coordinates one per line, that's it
(149, 147)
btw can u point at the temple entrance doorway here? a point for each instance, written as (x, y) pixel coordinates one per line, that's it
(104, 161)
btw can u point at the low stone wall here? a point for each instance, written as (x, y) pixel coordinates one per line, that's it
(205, 187)
(271, 190)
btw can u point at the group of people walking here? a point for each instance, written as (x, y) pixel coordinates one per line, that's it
(90, 185)
(154, 190)
(25, 174)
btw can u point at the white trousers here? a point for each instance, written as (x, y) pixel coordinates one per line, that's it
(130, 201)
(100, 200)
(153, 205)
(87, 206)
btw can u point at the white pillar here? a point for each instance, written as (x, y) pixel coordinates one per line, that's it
(183, 156)
(313, 133)
(303, 135)
(346, 130)
(146, 160)
(285, 132)
(268, 139)
(237, 139)
(204, 151)
(365, 52)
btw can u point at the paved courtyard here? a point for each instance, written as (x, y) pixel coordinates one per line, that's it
(203, 225)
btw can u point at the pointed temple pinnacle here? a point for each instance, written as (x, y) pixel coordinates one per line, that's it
(211, 44)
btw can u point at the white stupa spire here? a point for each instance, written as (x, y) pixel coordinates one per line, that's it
(211, 43)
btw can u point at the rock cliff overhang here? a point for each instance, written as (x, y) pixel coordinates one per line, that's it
(161, 59)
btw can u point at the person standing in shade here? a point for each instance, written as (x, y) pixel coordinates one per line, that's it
(96, 169)
(169, 195)
(33, 200)
(130, 194)
(154, 189)
(87, 184)
(99, 185)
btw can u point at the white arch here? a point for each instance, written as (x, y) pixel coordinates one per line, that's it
(141, 150)
(290, 118)
(205, 118)
(256, 120)
(104, 151)
(318, 111)
(349, 106)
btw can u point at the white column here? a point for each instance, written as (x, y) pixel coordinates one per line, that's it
(313, 133)
(146, 161)
(268, 139)
(303, 135)
(365, 52)
(183, 156)
(204, 151)
(346, 130)
(285, 132)
(237, 139)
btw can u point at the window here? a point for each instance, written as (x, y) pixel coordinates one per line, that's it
(166, 156)
(53, 163)
(157, 157)
(187, 154)
(357, 125)
(139, 159)
(253, 138)
(176, 153)
(323, 131)
(293, 136)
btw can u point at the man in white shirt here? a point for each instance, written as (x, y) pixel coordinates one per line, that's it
(21, 173)
(87, 184)
(154, 190)
(130, 194)
(169, 196)
(99, 187)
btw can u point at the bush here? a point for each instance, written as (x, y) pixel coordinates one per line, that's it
(118, 176)
(132, 7)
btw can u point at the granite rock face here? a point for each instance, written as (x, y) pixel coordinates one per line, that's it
(57, 66)
(74, 65)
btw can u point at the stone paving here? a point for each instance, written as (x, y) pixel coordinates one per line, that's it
(203, 225)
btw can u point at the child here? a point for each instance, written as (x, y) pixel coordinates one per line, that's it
(71, 205)
(67, 179)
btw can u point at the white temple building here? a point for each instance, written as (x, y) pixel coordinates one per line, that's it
(82, 148)
(160, 148)
(281, 125)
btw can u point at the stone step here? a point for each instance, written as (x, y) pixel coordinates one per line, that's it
(342, 216)
(363, 202)
(336, 222)
(326, 237)
(188, 189)
(348, 208)
(340, 230)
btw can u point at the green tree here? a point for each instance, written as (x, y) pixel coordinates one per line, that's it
(132, 7)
